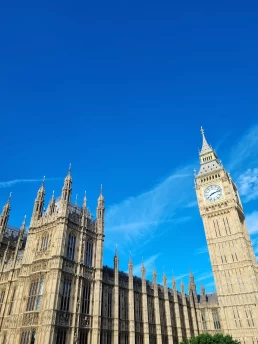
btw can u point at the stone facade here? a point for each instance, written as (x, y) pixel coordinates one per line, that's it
(54, 288)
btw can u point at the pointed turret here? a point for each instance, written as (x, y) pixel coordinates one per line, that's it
(203, 294)
(101, 197)
(5, 216)
(100, 212)
(39, 201)
(173, 283)
(51, 206)
(116, 259)
(191, 286)
(130, 266)
(154, 276)
(182, 287)
(84, 204)
(208, 158)
(143, 270)
(21, 233)
(165, 280)
(67, 188)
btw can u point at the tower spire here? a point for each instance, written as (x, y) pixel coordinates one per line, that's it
(208, 158)
(5, 216)
(39, 201)
(67, 188)
(206, 148)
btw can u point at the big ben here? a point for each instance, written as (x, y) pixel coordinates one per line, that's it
(231, 253)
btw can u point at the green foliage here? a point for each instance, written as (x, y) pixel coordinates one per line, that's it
(206, 338)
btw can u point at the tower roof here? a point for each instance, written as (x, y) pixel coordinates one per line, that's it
(208, 158)
(206, 148)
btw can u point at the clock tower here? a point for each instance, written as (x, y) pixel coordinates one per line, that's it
(231, 253)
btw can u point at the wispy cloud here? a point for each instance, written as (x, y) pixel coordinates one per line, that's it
(248, 184)
(148, 263)
(245, 150)
(201, 250)
(204, 276)
(252, 222)
(138, 217)
(10, 183)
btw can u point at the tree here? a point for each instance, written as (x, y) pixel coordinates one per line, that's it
(206, 338)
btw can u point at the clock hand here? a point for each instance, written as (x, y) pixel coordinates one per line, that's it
(213, 193)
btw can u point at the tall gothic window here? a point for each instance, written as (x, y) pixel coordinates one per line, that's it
(28, 337)
(204, 322)
(61, 336)
(12, 302)
(44, 242)
(71, 246)
(83, 336)
(65, 299)
(109, 305)
(89, 253)
(35, 295)
(2, 294)
(216, 321)
(86, 298)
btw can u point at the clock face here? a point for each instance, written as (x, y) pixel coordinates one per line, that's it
(213, 193)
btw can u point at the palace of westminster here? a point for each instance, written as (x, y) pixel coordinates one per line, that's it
(54, 288)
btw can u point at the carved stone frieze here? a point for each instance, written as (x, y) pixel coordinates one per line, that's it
(30, 319)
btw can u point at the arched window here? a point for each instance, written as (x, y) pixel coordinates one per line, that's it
(89, 253)
(71, 246)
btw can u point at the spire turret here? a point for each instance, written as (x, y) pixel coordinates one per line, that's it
(67, 188)
(51, 206)
(130, 265)
(143, 270)
(100, 211)
(116, 259)
(101, 197)
(173, 282)
(191, 286)
(39, 201)
(21, 232)
(5, 216)
(84, 204)
(154, 276)
(164, 280)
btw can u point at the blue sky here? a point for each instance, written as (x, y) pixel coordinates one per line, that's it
(120, 90)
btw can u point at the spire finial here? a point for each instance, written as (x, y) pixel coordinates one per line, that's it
(84, 204)
(10, 196)
(202, 131)
(69, 168)
(116, 251)
(53, 194)
(101, 197)
(76, 199)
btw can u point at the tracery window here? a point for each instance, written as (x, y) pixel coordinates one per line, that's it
(44, 242)
(83, 336)
(61, 336)
(28, 337)
(215, 317)
(65, 299)
(12, 301)
(204, 321)
(71, 246)
(86, 298)
(89, 253)
(109, 304)
(35, 295)
(2, 294)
